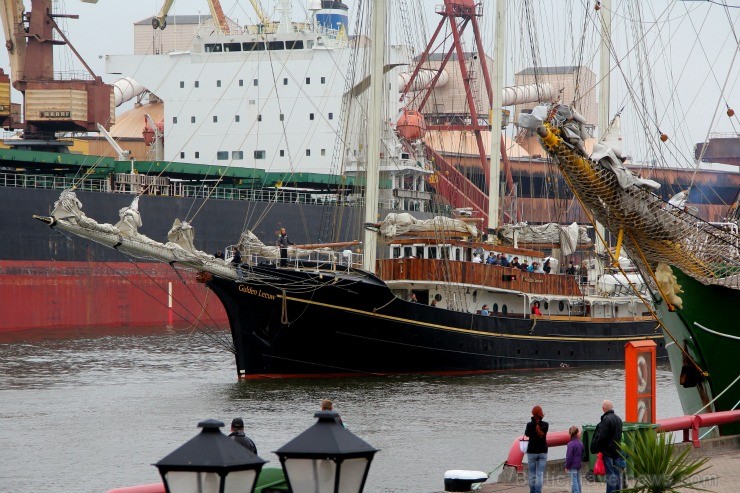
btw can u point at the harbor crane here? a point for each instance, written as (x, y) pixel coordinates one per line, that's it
(160, 20)
(51, 103)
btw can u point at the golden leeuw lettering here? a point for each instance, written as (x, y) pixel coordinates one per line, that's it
(256, 292)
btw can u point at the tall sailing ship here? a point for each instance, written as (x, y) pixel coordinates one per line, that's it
(429, 304)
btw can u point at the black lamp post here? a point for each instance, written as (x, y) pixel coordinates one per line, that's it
(326, 458)
(210, 462)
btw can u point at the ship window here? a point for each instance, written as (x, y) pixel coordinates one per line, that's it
(196, 84)
(182, 84)
(546, 305)
(182, 155)
(404, 155)
(396, 252)
(215, 119)
(236, 118)
(256, 82)
(323, 80)
(282, 117)
(444, 252)
(213, 47)
(419, 252)
(197, 154)
(432, 252)
(504, 309)
(310, 116)
(438, 297)
(192, 119)
(285, 81)
(174, 119)
(495, 308)
(308, 80)
(222, 155)
(232, 47)
(309, 44)
(241, 82)
(254, 47)
(218, 83)
(237, 154)
(259, 118)
(323, 152)
(561, 306)
(308, 152)
(408, 252)
(275, 45)
(259, 154)
(294, 45)
(457, 254)
(331, 116)
(252, 101)
(282, 152)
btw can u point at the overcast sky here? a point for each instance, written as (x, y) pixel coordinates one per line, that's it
(107, 28)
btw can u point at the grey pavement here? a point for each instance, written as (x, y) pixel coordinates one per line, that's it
(723, 475)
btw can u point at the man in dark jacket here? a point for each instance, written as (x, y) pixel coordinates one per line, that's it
(237, 434)
(283, 243)
(608, 435)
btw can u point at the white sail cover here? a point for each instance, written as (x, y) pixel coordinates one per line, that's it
(568, 237)
(396, 224)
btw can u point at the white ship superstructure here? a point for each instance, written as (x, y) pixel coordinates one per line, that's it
(289, 98)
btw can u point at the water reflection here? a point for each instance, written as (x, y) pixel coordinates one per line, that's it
(110, 403)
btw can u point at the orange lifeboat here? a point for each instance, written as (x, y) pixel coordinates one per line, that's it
(148, 131)
(411, 125)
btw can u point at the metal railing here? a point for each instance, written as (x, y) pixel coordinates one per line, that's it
(308, 260)
(176, 189)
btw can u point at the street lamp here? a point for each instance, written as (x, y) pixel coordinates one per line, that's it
(210, 462)
(326, 458)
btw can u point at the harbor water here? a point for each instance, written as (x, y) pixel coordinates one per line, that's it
(86, 411)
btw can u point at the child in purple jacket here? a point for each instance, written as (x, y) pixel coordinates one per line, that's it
(573, 458)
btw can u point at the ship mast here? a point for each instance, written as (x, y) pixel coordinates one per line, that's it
(372, 165)
(494, 184)
(604, 91)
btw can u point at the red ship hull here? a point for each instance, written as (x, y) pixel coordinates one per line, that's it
(56, 295)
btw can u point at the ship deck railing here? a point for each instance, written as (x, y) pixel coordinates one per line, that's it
(312, 261)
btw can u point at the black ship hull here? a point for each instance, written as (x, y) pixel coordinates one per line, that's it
(288, 323)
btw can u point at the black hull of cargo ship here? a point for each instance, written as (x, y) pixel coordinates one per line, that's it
(292, 323)
(49, 280)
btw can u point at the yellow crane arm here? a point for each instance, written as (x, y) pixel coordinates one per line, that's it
(160, 21)
(15, 41)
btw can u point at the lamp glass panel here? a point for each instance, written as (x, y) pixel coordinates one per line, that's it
(351, 474)
(240, 481)
(311, 475)
(192, 482)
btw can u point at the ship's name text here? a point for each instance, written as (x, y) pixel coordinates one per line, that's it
(255, 292)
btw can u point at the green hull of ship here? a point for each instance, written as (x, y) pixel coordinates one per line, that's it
(715, 308)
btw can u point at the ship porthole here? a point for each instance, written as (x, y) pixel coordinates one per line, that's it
(438, 297)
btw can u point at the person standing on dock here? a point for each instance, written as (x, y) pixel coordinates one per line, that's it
(607, 437)
(574, 459)
(237, 434)
(283, 243)
(536, 430)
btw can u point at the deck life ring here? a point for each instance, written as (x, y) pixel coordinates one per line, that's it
(641, 411)
(642, 374)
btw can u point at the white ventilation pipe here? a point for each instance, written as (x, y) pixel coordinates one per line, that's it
(423, 79)
(528, 94)
(126, 89)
